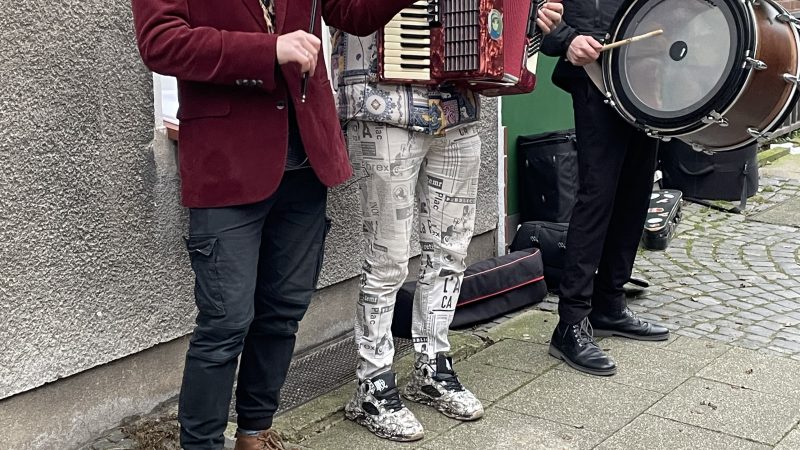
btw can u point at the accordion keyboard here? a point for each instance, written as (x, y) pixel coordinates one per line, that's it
(407, 44)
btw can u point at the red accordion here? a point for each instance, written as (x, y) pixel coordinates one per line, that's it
(491, 46)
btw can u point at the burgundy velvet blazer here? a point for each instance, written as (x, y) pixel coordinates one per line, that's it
(234, 96)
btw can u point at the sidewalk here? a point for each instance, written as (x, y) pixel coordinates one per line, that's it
(729, 289)
(684, 393)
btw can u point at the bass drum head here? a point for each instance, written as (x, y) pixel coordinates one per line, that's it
(672, 81)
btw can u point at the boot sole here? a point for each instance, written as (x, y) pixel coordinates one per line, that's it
(424, 400)
(635, 337)
(556, 353)
(364, 421)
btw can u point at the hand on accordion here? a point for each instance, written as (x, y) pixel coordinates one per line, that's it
(550, 16)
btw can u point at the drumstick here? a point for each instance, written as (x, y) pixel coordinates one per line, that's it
(304, 86)
(631, 40)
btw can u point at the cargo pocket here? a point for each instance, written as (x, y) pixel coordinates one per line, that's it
(207, 292)
(321, 255)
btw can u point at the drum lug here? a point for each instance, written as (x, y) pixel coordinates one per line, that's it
(759, 135)
(757, 64)
(789, 78)
(699, 148)
(610, 103)
(715, 118)
(787, 18)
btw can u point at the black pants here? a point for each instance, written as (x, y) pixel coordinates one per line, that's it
(616, 163)
(256, 268)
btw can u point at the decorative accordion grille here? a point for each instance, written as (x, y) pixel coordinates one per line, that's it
(461, 21)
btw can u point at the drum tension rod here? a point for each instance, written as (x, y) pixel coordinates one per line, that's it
(715, 117)
(759, 135)
(756, 63)
(787, 18)
(791, 78)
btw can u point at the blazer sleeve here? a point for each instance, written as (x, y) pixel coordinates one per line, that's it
(170, 46)
(361, 17)
(557, 43)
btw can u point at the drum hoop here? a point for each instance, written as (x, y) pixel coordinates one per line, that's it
(793, 98)
(728, 87)
(796, 89)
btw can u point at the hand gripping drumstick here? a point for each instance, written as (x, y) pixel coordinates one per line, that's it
(304, 86)
(631, 40)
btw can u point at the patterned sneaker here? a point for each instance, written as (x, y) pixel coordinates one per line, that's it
(377, 406)
(435, 383)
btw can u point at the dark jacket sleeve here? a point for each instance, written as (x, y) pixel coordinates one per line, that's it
(557, 43)
(361, 17)
(169, 46)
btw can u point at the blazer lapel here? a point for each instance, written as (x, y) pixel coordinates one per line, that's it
(255, 10)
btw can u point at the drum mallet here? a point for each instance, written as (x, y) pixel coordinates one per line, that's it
(631, 40)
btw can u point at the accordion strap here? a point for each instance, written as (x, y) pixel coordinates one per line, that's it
(595, 73)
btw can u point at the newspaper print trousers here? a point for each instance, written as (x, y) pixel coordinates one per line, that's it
(398, 168)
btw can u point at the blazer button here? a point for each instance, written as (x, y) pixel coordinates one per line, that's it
(280, 105)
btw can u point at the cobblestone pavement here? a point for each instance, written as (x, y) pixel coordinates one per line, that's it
(727, 277)
(724, 277)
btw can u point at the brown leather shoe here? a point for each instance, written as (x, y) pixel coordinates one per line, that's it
(266, 440)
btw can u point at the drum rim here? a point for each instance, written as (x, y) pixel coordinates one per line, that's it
(730, 91)
(794, 98)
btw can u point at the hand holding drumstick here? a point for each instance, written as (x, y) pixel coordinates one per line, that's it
(585, 49)
(631, 40)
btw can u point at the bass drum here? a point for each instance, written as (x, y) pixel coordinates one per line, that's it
(723, 73)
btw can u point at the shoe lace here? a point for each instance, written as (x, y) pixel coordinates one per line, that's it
(584, 332)
(449, 381)
(629, 312)
(390, 399)
(270, 440)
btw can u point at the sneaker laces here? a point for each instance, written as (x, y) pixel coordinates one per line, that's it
(449, 381)
(390, 399)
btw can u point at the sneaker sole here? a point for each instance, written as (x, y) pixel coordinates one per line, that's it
(427, 401)
(364, 421)
(556, 353)
(636, 337)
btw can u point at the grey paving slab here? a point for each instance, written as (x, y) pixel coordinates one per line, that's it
(534, 326)
(645, 366)
(490, 383)
(721, 407)
(753, 370)
(507, 430)
(517, 355)
(598, 404)
(648, 432)
(790, 442)
(786, 213)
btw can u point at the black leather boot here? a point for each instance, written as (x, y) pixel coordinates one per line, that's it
(574, 344)
(625, 323)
